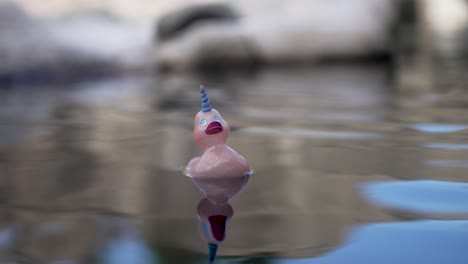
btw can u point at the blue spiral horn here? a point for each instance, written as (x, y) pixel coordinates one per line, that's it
(213, 249)
(205, 102)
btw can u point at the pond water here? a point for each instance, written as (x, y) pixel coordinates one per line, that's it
(350, 167)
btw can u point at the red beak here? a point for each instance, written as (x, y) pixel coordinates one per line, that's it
(214, 128)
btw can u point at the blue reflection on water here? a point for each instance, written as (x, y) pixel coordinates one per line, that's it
(402, 242)
(6, 236)
(438, 128)
(447, 146)
(128, 251)
(127, 246)
(422, 196)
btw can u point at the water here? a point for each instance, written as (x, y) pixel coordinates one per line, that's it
(350, 167)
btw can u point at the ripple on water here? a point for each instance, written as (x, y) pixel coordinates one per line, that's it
(446, 146)
(448, 163)
(421, 196)
(314, 134)
(438, 128)
(400, 242)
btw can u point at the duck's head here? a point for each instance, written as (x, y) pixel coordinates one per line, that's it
(209, 127)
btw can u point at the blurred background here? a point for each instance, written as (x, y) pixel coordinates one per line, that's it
(353, 115)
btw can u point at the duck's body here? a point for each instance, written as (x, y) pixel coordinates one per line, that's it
(218, 159)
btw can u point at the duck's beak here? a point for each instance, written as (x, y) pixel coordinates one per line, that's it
(214, 128)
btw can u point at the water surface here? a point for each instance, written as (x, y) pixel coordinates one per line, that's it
(92, 172)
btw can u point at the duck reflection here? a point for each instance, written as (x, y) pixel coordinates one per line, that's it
(214, 211)
(221, 190)
(212, 222)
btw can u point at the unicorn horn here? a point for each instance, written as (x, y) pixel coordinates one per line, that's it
(213, 249)
(205, 102)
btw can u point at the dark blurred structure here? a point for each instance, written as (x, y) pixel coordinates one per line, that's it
(303, 32)
(176, 23)
(224, 34)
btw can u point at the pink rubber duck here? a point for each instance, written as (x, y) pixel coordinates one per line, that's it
(218, 160)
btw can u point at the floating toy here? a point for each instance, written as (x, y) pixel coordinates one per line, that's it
(220, 173)
(218, 159)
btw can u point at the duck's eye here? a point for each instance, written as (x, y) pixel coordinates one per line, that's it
(216, 118)
(203, 122)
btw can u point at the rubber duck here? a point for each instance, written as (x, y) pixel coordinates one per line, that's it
(218, 159)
